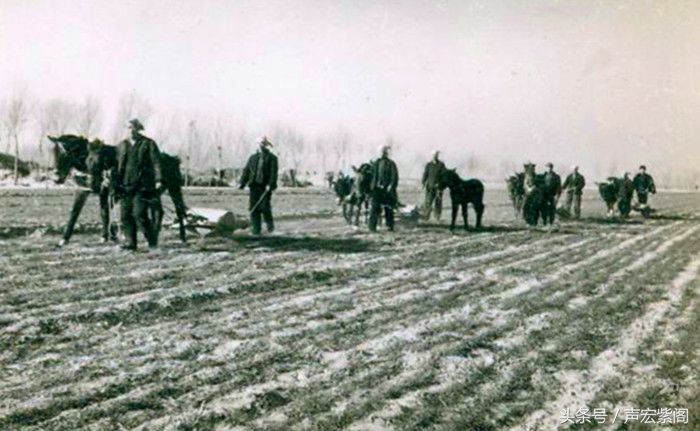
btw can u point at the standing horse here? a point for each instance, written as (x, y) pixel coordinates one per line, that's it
(342, 186)
(354, 193)
(516, 190)
(462, 193)
(99, 161)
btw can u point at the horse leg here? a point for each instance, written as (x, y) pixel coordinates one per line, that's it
(479, 208)
(455, 208)
(464, 215)
(104, 214)
(156, 210)
(180, 210)
(78, 203)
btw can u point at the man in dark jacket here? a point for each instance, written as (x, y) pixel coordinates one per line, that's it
(552, 191)
(260, 175)
(573, 185)
(139, 177)
(433, 193)
(643, 185)
(625, 193)
(385, 180)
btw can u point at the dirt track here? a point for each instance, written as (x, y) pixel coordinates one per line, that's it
(324, 327)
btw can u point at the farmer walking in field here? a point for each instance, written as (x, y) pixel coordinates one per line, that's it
(552, 191)
(643, 185)
(625, 193)
(430, 181)
(260, 175)
(139, 172)
(573, 185)
(385, 180)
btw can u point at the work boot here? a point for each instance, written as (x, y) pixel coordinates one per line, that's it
(62, 243)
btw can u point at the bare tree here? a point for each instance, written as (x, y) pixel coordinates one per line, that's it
(321, 154)
(473, 164)
(16, 116)
(89, 117)
(341, 147)
(192, 142)
(54, 117)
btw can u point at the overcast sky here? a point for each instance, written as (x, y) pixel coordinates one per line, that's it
(570, 81)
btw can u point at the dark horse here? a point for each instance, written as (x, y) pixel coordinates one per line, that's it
(353, 193)
(99, 162)
(462, 193)
(516, 190)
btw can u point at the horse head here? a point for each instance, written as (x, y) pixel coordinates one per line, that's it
(448, 178)
(343, 187)
(69, 152)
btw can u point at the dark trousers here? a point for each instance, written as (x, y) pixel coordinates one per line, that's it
(81, 197)
(433, 195)
(382, 199)
(135, 213)
(550, 209)
(260, 208)
(573, 198)
(642, 197)
(624, 205)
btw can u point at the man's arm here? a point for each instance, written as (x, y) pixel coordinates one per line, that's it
(155, 159)
(273, 173)
(245, 175)
(395, 179)
(425, 174)
(652, 186)
(567, 182)
(558, 185)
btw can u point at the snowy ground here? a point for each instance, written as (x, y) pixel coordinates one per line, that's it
(326, 327)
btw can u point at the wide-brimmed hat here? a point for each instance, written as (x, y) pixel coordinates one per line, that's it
(262, 140)
(135, 124)
(643, 167)
(549, 165)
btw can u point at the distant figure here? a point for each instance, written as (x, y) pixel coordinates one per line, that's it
(260, 175)
(534, 204)
(385, 180)
(330, 179)
(625, 193)
(139, 172)
(433, 193)
(516, 190)
(552, 191)
(573, 185)
(643, 185)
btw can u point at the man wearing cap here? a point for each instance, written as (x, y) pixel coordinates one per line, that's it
(573, 185)
(643, 185)
(385, 180)
(260, 175)
(552, 191)
(430, 181)
(139, 175)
